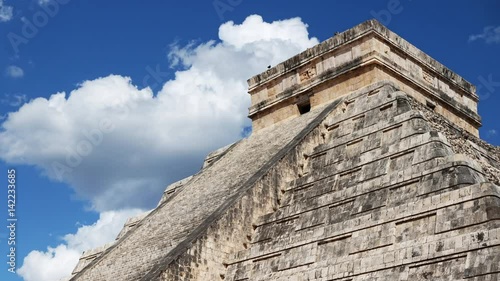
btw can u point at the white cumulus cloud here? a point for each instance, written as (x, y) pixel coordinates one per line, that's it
(490, 34)
(118, 145)
(14, 71)
(14, 100)
(58, 262)
(491, 133)
(5, 12)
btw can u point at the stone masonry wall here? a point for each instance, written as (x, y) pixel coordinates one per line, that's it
(487, 155)
(330, 66)
(384, 198)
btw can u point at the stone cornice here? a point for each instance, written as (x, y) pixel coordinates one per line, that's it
(351, 35)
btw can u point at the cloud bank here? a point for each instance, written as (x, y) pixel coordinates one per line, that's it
(491, 133)
(13, 100)
(14, 71)
(490, 34)
(118, 146)
(5, 12)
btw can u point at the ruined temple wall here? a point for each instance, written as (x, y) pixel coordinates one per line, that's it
(384, 198)
(445, 110)
(283, 111)
(356, 79)
(330, 70)
(463, 142)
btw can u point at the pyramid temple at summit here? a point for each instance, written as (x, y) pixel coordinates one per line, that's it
(364, 163)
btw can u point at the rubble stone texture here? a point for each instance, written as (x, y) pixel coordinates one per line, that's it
(384, 178)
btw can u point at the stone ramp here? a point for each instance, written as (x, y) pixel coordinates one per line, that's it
(168, 231)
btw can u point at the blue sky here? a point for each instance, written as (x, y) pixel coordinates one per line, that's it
(151, 86)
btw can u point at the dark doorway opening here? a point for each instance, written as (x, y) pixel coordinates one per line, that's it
(304, 107)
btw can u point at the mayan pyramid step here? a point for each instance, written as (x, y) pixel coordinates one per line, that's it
(393, 207)
(364, 163)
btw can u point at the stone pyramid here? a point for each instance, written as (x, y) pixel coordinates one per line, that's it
(364, 164)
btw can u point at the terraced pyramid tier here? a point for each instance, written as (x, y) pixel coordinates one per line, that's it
(383, 198)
